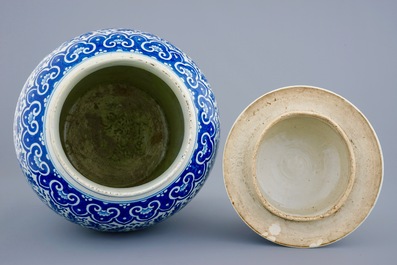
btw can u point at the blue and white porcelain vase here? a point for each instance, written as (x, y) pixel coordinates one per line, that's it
(116, 130)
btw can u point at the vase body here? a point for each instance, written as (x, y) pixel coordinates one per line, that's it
(116, 130)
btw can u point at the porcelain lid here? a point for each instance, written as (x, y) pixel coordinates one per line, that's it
(302, 166)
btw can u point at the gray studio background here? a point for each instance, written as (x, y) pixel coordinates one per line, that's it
(245, 49)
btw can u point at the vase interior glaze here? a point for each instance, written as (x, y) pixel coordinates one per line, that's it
(303, 167)
(121, 126)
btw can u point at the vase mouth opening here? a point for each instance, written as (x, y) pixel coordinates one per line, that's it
(303, 167)
(121, 126)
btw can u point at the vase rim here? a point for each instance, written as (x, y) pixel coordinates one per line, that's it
(52, 131)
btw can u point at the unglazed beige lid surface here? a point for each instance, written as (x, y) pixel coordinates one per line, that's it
(302, 166)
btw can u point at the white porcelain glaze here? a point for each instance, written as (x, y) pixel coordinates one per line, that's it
(303, 167)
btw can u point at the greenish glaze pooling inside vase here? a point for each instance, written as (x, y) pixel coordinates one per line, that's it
(121, 126)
